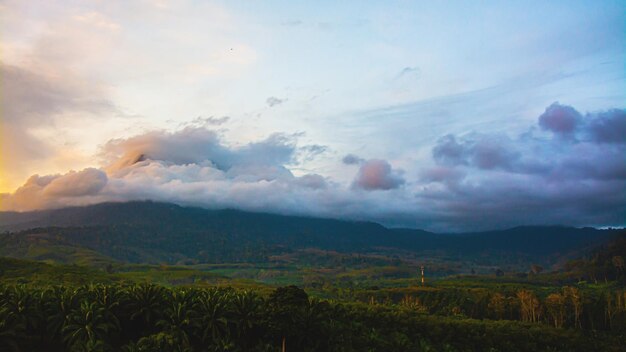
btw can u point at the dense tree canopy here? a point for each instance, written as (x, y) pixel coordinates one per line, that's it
(146, 317)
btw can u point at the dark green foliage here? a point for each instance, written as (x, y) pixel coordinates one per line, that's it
(289, 296)
(153, 318)
(606, 263)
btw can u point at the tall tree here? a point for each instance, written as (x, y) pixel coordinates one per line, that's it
(575, 300)
(529, 305)
(555, 305)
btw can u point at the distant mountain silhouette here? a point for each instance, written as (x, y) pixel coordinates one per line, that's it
(162, 232)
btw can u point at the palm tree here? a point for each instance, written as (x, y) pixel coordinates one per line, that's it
(87, 327)
(146, 302)
(284, 309)
(245, 312)
(312, 317)
(130, 347)
(223, 344)
(10, 330)
(23, 306)
(213, 309)
(162, 342)
(180, 319)
(108, 297)
(58, 304)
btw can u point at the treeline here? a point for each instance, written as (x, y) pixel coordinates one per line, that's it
(570, 307)
(148, 317)
(607, 263)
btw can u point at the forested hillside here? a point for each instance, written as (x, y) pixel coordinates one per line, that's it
(150, 232)
(146, 276)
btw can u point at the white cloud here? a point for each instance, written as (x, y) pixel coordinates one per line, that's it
(477, 181)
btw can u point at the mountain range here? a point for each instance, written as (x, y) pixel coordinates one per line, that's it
(152, 232)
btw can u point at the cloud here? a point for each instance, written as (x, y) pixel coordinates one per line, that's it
(182, 166)
(310, 152)
(376, 174)
(207, 121)
(273, 101)
(449, 151)
(195, 145)
(72, 188)
(594, 155)
(533, 155)
(35, 101)
(352, 159)
(89, 181)
(474, 181)
(608, 126)
(312, 181)
(448, 175)
(531, 179)
(478, 150)
(36, 98)
(560, 119)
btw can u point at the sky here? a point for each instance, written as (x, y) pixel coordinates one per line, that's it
(442, 115)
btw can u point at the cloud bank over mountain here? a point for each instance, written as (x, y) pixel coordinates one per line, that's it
(569, 168)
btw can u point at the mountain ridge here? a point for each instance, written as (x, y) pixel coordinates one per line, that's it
(16, 220)
(163, 232)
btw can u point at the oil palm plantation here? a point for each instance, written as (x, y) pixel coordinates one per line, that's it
(87, 328)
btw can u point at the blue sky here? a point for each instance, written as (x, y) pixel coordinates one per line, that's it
(84, 82)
